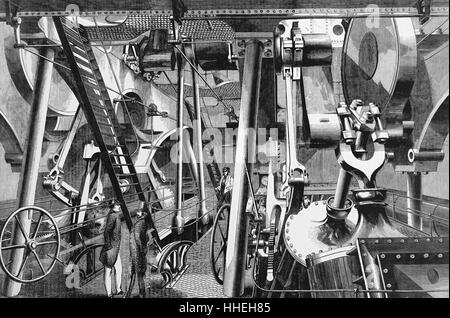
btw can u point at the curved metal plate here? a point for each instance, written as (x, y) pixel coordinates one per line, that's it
(308, 232)
(379, 62)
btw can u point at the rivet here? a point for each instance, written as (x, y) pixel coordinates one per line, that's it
(287, 230)
(364, 254)
(291, 217)
(402, 241)
(398, 256)
(388, 285)
(299, 255)
(426, 255)
(440, 255)
(441, 240)
(389, 241)
(416, 240)
(320, 251)
(412, 256)
(428, 239)
(288, 223)
(316, 203)
(382, 255)
(385, 270)
(295, 251)
(363, 242)
(291, 245)
(288, 238)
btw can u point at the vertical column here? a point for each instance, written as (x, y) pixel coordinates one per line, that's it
(178, 218)
(342, 186)
(30, 163)
(414, 199)
(199, 146)
(246, 144)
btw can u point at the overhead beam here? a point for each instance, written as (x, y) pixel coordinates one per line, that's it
(202, 7)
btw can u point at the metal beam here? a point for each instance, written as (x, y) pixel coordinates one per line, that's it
(30, 165)
(178, 217)
(225, 7)
(342, 187)
(246, 146)
(199, 145)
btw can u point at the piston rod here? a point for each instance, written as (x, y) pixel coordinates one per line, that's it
(414, 199)
(235, 259)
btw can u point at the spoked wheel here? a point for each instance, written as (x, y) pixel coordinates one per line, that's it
(218, 244)
(172, 262)
(37, 249)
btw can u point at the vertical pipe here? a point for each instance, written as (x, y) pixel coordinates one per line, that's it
(31, 159)
(246, 144)
(342, 186)
(198, 146)
(189, 156)
(179, 219)
(414, 199)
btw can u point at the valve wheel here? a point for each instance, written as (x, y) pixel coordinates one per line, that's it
(37, 248)
(218, 243)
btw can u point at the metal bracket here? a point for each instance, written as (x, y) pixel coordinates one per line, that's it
(359, 122)
(11, 10)
(424, 9)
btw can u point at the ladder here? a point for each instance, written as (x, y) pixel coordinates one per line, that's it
(100, 114)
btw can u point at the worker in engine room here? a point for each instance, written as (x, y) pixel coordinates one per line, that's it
(139, 239)
(225, 187)
(109, 255)
(258, 210)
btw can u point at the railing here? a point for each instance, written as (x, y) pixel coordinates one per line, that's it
(434, 215)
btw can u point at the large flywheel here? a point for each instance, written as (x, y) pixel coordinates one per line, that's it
(379, 62)
(39, 247)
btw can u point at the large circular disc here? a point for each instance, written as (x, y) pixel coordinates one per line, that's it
(379, 61)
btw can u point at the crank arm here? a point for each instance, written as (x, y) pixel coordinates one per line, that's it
(158, 171)
(296, 176)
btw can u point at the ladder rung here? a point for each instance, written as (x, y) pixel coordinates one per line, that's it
(104, 124)
(121, 164)
(92, 85)
(74, 32)
(81, 52)
(108, 135)
(118, 155)
(129, 185)
(99, 114)
(125, 174)
(74, 42)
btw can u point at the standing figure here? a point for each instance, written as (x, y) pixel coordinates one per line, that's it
(109, 255)
(139, 239)
(224, 188)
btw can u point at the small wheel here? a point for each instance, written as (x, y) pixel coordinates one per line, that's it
(218, 244)
(172, 262)
(36, 248)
